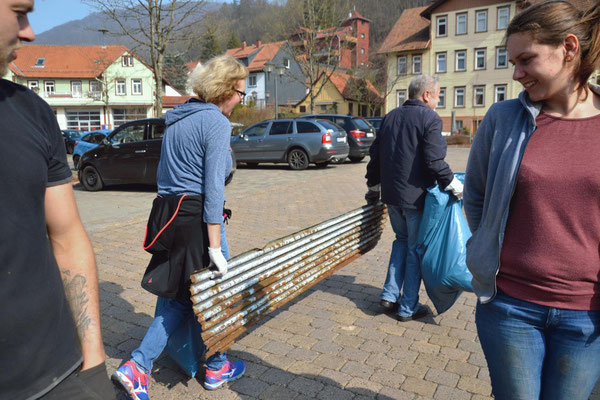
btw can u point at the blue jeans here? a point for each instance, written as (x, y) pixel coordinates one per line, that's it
(538, 352)
(170, 317)
(404, 269)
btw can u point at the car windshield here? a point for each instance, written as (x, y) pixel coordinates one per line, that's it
(360, 123)
(330, 125)
(72, 134)
(375, 122)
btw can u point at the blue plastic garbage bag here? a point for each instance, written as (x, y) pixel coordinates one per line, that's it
(185, 345)
(442, 240)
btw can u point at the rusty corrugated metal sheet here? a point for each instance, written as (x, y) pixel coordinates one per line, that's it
(261, 280)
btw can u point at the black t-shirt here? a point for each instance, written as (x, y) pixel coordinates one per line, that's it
(38, 341)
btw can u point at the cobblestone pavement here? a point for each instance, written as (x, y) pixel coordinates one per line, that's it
(332, 342)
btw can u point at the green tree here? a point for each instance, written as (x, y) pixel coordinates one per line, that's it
(234, 41)
(176, 71)
(210, 45)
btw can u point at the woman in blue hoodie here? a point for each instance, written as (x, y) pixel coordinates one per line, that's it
(194, 164)
(531, 197)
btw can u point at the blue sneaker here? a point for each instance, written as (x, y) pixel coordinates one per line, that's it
(132, 381)
(230, 372)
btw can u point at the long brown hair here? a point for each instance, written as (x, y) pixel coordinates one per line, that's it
(551, 21)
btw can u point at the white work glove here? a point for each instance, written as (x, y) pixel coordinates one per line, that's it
(217, 260)
(456, 187)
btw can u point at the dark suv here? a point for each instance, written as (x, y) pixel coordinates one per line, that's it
(360, 133)
(130, 154)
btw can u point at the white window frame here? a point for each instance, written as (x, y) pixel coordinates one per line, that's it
(49, 87)
(502, 20)
(442, 102)
(466, 23)
(439, 57)
(127, 61)
(286, 63)
(401, 94)
(405, 60)
(478, 20)
(441, 21)
(479, 91)
(480, 54)
(121, 84)
(73, 85)
(501, 52)
(135, 82)
(497, 90)
(464, 59)
(32, 85)
(416, 57)
(362, 51)
(462, 91)
(252, 79)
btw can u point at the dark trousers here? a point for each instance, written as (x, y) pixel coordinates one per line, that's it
(91, 384)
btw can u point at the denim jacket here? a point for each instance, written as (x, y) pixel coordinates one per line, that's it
(490, 182)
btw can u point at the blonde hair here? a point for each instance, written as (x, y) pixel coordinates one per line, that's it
(551, 21)
(214, 81)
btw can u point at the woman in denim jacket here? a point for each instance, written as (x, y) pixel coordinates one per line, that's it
(532, 199)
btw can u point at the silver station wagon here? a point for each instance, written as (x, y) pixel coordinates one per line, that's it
(296, 142)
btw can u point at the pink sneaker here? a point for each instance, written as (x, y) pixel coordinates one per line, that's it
(132, 381)
(230, 372)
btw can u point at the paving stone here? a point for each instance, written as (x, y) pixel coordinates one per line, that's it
(304, 342)
(427, 348)
(470, 346)
(388, 393)
(374, 347)
(363, 387)
(462, 368)
(254, 370)
(388, 378)
(450, 393)
(277, 348)
(392, 329)
(442, 377)
(320, 323)
(332, 377)
(412, 370)
(443, 340)
(335, 393)
(349, 340)
(327, 347)
(354, 354)
(329, 361)
(432, 360)
(305, 386)
(358, 370)
(277, 376)
(474, 385)
(419, 386)
(276, 392)
(249, 386)
(303, 354)
(323, 334)
(417, 335)
(455, 354)
(373, 335)
(380, 360)
(304, 368)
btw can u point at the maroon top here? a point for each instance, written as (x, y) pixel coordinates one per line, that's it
(551, 250)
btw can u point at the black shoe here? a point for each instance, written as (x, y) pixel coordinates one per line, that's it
(420, 313)
(388, 305)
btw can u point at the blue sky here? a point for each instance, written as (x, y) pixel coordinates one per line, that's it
(50, 13)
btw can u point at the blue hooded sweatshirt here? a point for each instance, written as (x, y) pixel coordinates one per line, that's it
(195, 155)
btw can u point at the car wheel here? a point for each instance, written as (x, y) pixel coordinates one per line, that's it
(356, 159)
(91, 180)
(252, 164)
(297, 159)
(76, 162)
(322, 164)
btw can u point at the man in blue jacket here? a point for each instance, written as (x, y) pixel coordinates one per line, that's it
(407, 157)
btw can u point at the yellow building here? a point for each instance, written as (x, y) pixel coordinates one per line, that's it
(343, 94)
(462, 42)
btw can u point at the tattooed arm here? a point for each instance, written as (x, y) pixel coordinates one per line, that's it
(75, 258)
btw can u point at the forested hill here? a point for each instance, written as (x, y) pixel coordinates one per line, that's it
(242, 20)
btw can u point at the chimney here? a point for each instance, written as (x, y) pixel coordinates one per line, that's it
(243, 45)
(258, 43)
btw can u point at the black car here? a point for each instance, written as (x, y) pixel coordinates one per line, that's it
(376, 122)
(360, 133)
(70, 136)
(130, 154)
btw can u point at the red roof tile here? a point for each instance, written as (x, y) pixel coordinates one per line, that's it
(411, 32)
(65, 61)
(343, 82)
(264, 52)
(172, 101)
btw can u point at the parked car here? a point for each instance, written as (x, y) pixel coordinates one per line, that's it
(296, 142)
(360, 133)
(130, 154)
(87, 142)
(376, 122)
(70, 136)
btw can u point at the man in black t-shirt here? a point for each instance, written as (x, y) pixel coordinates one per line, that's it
(50, 340)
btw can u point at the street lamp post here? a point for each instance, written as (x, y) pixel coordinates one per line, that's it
(270, 67)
